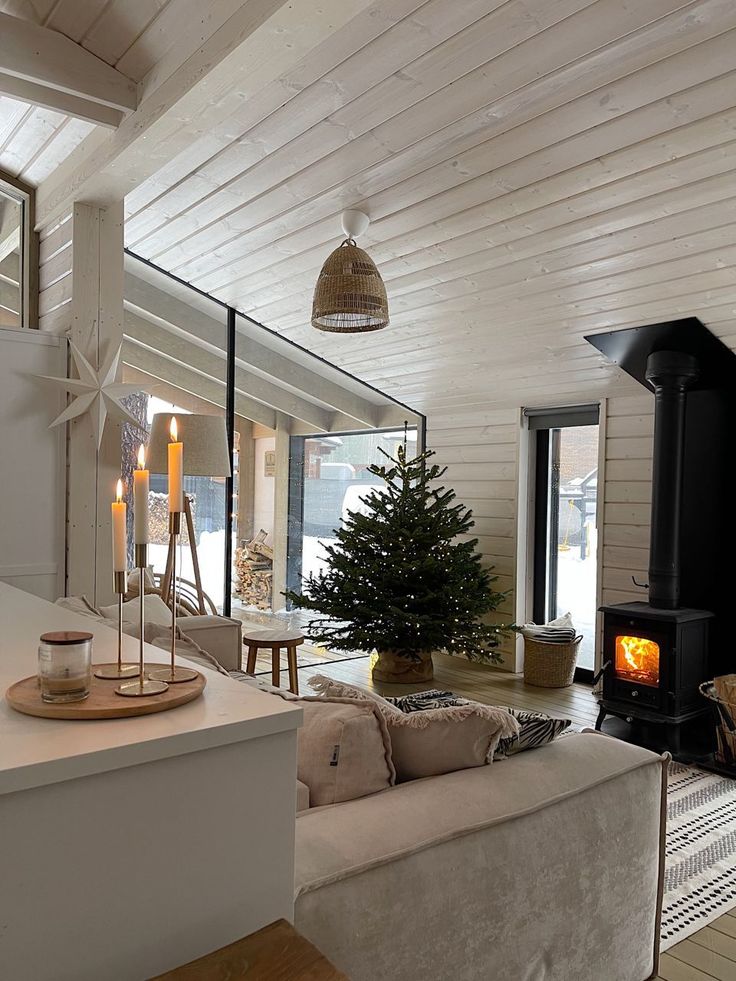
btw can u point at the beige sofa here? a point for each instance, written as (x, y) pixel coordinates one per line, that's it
(543, 867)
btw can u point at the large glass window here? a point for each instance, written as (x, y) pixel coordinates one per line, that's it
(329, 478)
(565, 534)
(193, 357)
(175, 347)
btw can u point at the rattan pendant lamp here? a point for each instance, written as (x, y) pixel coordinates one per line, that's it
(350, 297)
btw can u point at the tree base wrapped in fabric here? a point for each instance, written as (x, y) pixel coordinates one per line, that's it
(394, 669)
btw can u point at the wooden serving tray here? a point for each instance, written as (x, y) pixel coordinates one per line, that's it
(102, 702)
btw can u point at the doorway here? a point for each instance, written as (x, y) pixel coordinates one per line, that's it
(565, 545)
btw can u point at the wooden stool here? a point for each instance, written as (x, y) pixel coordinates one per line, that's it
(274, 638)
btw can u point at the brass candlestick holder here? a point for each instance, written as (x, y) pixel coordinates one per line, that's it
(142, 686)
(119, 670)
(175, 673)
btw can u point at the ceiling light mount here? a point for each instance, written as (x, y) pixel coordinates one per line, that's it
(354, 223)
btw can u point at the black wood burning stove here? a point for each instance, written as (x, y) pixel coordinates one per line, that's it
(655, 659)
(655, 654)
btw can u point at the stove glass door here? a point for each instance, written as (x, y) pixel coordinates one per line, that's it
(637, 660)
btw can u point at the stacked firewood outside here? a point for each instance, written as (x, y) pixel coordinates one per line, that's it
(158, 518)
(254, 569)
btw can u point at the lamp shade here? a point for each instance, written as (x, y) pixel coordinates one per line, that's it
(204, 439)
(350, 296)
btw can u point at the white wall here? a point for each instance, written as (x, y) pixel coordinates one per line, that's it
(32, 489)
(263, 490)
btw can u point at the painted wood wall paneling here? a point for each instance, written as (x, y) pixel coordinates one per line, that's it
(55, 278)
(492, 438)
(627, 496)
(32, 551)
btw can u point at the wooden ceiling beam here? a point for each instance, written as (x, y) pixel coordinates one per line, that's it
(200, 81)
(43, 67)
(71, 105)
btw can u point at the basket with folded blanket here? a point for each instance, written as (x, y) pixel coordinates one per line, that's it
(550, 652)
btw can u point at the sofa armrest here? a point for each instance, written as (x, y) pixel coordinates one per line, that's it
(221, 637)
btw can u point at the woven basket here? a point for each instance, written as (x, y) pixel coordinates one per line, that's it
(550, 665)
(722, 694)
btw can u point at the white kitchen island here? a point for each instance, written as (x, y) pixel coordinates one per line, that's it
(130, 846)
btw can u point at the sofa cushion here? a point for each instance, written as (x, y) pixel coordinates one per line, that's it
(154, 610)
(434, 741)
(343, 749)
(426, 744)
(302, 796)
(79, 604)
(222, 637)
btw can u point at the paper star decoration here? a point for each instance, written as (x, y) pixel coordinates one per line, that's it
(96, 392)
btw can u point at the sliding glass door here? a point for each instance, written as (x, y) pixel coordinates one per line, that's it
(565, 521)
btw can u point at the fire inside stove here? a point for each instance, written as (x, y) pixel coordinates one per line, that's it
(637, 659)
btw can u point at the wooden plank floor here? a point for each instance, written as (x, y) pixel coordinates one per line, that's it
(706, 955)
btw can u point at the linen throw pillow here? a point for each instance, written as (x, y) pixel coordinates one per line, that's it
(154, 610)
(437, 740)
(535, 728)
(343, 749)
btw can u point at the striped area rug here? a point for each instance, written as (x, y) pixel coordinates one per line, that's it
(700, 863)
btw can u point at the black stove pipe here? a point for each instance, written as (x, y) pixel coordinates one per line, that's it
(671, 374)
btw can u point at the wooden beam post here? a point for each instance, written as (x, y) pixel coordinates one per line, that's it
(97, 330)
(281, 510)
(246, 477)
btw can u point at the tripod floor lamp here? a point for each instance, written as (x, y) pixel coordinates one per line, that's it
(205, 455)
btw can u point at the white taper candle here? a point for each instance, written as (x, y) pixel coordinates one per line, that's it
(140, 500)
(176, 470)
(119, 532)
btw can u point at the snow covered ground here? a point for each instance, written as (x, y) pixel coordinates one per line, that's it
(211, 553)
(576, 592)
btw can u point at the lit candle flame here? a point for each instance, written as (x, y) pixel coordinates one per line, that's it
(173, 431)
(119, 491)
(141, 457)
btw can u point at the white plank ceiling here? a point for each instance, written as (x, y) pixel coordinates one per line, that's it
(535, 170)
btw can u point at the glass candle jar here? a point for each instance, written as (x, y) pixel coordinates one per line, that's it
(65, 665)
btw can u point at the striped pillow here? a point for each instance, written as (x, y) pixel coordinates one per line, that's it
(535, 729)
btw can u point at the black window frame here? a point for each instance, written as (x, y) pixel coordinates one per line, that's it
(545, 425)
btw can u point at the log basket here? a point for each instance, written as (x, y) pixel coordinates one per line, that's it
(721, 692)
(550, 665)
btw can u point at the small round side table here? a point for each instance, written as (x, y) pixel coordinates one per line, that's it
(274, 639)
